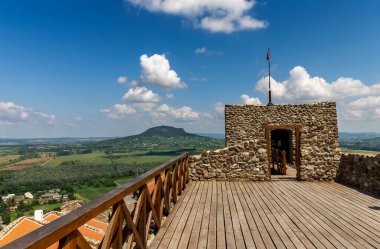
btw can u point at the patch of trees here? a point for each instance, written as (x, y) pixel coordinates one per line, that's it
(66, 176)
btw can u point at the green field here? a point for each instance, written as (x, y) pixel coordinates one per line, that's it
(87, 194)
(102, 158)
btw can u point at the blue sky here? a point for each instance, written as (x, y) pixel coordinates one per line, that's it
(114, 68)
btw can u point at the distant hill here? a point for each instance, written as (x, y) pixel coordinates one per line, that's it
(357, 135)
(160, 140)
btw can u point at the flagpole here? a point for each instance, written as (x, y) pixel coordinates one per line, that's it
(270, 92)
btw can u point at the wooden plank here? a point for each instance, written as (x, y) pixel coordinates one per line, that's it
(184, 241)
(183, 220)
(211, 239)
(259, 243)
(271, 228)
(341, 208)
(164, 227)
(203, 233)
(230, 239)
(282, 236)
(307, 216)
(269, 214)
(352, 199)
(194, 236)
(220, 229)
(348, 231)
(350, 195)
(257, 217)
(304, 230)
(238, 234)
(357, 193)
(165, 241)
(287, 231)
(335, 237)
(248, 240)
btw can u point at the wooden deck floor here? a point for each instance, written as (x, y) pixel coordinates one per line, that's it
(277, 214)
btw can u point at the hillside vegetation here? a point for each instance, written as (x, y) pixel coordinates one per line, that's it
(90, 163)
(360, 141)
(161, 139)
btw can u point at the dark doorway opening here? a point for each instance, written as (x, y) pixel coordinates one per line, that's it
(283, 150)
(281, 140)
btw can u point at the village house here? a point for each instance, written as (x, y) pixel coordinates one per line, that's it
(28, 195)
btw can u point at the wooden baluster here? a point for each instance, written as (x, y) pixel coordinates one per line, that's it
(136, 216)
(167, 192)
(179, 178)
(132, 227)
(173, 187)
(112, 226)
(278, 161)
(68, 242)
(142, 219)
(157, 200)
(187, 169)
(284, 162)
(151, 210)
(73, 240)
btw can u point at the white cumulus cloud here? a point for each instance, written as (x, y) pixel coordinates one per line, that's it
(302, 87)
(249, 101)
(119, 111)
(141, 94)
(184, 113)
(363, 108)
(219, 108)
(11, 113)
(122, 80)
(225, 16)
(155, 70)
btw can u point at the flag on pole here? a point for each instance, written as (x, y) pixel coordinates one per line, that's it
(268, 55)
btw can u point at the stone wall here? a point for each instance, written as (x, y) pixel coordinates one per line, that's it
(320, 153)
(360, 171)
(246, 161)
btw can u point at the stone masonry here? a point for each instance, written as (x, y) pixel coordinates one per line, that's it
(319, 147)
(240, 162)
(360, 171)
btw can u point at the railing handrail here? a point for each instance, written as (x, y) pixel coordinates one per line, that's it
(57, 229)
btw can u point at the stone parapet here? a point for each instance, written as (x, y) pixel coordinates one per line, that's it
(360, 171)
(242, 162)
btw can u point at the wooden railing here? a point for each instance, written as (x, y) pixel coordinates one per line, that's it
(129, 228)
